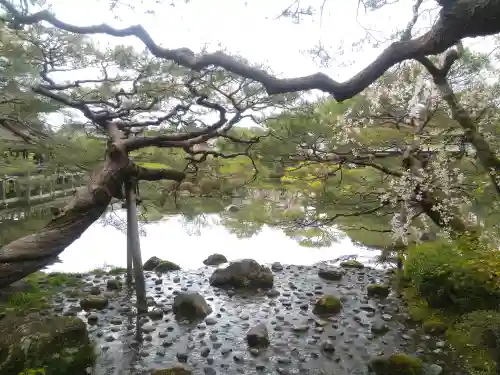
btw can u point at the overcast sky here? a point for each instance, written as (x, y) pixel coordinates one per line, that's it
(250, 28)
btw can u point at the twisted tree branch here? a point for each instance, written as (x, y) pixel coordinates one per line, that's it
(462, 19)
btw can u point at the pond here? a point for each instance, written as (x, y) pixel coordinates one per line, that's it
(176, 240)
(301, 341)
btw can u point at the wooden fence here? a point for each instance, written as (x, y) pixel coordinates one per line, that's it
(38, 188)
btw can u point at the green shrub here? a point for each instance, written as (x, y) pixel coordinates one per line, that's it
(462, 275)
(476, 338)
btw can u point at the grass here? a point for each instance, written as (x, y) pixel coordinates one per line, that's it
(107, 269)
(150, 165)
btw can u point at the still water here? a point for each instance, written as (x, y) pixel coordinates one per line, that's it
(184, 243)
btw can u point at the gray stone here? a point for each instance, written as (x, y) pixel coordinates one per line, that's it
(246, 274)
(215, 260)
(190, 305)
(258, 336)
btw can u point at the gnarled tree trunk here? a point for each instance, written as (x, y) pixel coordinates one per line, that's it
(31, 253)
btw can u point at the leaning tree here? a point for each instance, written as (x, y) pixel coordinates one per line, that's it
(134, 102)
(113, 114)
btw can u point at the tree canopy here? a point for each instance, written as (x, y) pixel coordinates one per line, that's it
(406, 148)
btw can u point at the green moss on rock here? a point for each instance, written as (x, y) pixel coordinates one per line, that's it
(327, 305)
(352, 264)
(94, 302)
(396, 364)
(60, 345)
(434, 327)
(378, 290)
(173, 371)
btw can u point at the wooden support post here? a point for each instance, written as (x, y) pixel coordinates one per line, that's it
(130, 242)
(135, 247)
(28, 192)
(4, 190)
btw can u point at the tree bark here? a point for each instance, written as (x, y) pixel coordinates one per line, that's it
(134, 246)
(35, 251)
(31, 253)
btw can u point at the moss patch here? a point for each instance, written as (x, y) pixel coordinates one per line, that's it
(396, 364)
(34, 292)
(327, 305)
(378, 290)
(352, 264)
(434, 326)
(172, 371)
(475, 337)
(59, 345)
(463, 333)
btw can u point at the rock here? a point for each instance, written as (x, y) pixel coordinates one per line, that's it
(352, 264)
(328, 346)
(156, 314)
(327, 305)
(94, 302)
(273, 293)
(95, 290)
(166, 266)
(378, 290)
(58, 344)
(258, 336)
(330, 274)
(191, 306)
(433, 369)
(178, 370)
(215, 260)
(380, 328)
(113, 284)
(276, 267)
(245, 273)
(396, 364)
(151, 263)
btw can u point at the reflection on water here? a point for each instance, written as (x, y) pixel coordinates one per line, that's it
(186, 244)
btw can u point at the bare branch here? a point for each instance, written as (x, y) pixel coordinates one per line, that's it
(456, 22)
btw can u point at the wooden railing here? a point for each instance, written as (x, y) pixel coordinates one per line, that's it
(38, 188)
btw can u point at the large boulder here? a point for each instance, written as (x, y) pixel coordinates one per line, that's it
(215, 260)
(58, 344)
(191, 306)
(246, 273)
(151, 263)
